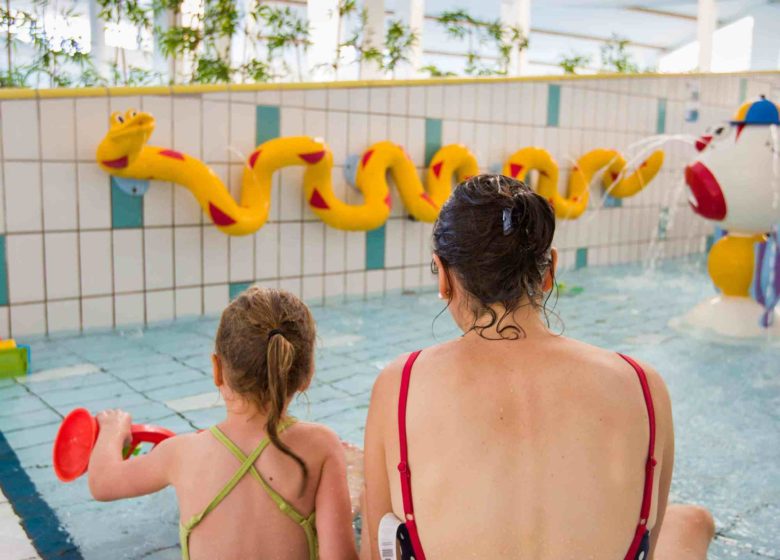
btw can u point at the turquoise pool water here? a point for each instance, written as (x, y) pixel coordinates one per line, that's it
(726, 404)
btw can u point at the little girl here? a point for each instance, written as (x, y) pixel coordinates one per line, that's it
(248, 487)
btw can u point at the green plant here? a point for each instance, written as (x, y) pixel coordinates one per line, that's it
(283, 30)
(570, 64)
(435, 72)
(136, 13)
(616, 58)
(399, 39)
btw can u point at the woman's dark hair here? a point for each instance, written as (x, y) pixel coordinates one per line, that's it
(266, 339)
(495, 234)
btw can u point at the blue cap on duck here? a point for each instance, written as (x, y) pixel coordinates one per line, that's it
(761, 111)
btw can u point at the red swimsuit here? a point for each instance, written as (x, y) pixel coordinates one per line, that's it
(640, 544)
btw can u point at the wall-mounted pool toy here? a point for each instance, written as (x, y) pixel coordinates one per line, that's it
(615, 178)
(124, 153)
(77, 436)
(14, 358)
(735, 183)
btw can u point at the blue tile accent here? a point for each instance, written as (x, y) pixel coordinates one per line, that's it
(660, 121)
(127, 211)
(3, 273)
(582, 258)
(236, 288)
(38, 519)
(375, 249)
(432, 139)
(553, 104)
(612, 202)
(267, 123)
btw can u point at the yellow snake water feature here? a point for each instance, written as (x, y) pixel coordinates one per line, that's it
(124, 152)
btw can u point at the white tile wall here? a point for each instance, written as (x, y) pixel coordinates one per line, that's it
(67, 268)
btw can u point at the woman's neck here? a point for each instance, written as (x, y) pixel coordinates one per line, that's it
(524, 322)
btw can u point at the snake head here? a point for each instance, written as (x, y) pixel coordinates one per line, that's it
(124, 140)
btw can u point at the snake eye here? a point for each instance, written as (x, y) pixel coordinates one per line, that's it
(120, 119)
(133, 114)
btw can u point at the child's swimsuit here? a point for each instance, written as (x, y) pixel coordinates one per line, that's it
(410, 538)
(247, 466)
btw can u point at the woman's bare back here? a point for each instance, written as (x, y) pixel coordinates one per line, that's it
(525, 449)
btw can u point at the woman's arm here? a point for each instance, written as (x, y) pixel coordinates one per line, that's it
(377, 486)
(111, 477)
(334, 507)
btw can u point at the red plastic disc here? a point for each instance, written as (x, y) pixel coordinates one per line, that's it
(73, 446)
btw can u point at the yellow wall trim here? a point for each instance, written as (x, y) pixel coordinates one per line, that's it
(19, 93)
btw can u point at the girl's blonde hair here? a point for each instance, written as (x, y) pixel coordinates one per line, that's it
(266, 339)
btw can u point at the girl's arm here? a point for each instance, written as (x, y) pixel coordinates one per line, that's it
(111, 477)
(334, 507)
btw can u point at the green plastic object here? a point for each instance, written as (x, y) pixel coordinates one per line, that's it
(15, 362)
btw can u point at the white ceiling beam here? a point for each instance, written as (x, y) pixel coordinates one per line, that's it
(707, 22)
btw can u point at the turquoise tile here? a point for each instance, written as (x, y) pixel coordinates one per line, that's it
(612, 202)
(582, 258)
(3, 273)
(432, 139)
(126, 211)
(553, 104)
(267, 123)
(375, 249)
(710, 243)
(660, 121)
(236, 288)
(743, 83)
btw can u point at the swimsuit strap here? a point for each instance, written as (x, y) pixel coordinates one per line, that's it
(647, 496)
(403, 465)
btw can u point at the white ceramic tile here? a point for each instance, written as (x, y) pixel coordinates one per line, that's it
(129, 309)
(60, 196)
(268, 97)
(242, 251)
(293, 98)
(358, 100)
(187, 255)
(58, 129)
(63, 315)
(158, 204)
(356, 284)
(215, 131)
(356, 250)
(484, 110)
(416, 101)
(379, 100)
(94, 189)
(338, 99)
(399, 100)
(315, 99)
(290, 250)
(187, 125)
(97, 313)
(23, 197)
(291, 122)
(267, 252)
(375, 281)
(393, 280)
(128, 260)
(313, 289)
(415, 141)
(96, 270)
(28, 319)
(394, 246)
(158, 258)
(434, 101)
(92, 118)
(292, 285)
(412, 244)
(186, 210)
(215, 256)
(188, 302)
(159, 306)
(313, 248)
(5, 322)
(161, 108)
(20, 129)
(411, 278)
(25, 268)
(377, 128)
(335, 250)
(124, 103)
(62, 265)
(242, 131)
(315, 122)
(337, 135)
(215, 299)
(290, 193)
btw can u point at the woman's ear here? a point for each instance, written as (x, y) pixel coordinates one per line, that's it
(445, 289)
(216, 364)
(549, 278)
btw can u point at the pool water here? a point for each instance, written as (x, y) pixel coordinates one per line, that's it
(726, 401)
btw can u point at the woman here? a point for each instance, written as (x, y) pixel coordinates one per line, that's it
(512, 441)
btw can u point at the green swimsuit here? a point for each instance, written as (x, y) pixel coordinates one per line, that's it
(247, 466)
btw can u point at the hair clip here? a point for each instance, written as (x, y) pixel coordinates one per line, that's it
(507, 221)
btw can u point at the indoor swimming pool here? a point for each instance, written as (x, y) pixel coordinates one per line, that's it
(726, 400)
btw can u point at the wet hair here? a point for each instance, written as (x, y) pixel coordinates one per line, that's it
(266, 339)
(495, 235)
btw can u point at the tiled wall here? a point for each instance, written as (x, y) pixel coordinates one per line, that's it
(76, 252)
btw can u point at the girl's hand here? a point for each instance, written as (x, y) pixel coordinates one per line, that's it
(115, 423)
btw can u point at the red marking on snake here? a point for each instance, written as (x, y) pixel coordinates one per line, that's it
(544, 173)
(515, 169)
(437, 168)
(219, 217)
(313, 157)
(253, 158)
(366, 157)
(389, 201)
(427, 198)
(116, 163)
(614, 175)
(644, 164)
(317, 201)
(173, 154)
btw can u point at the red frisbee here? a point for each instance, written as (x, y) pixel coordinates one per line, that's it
(77, 436)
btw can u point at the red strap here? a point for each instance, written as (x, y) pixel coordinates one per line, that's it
(403, 466)
(647, 496)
